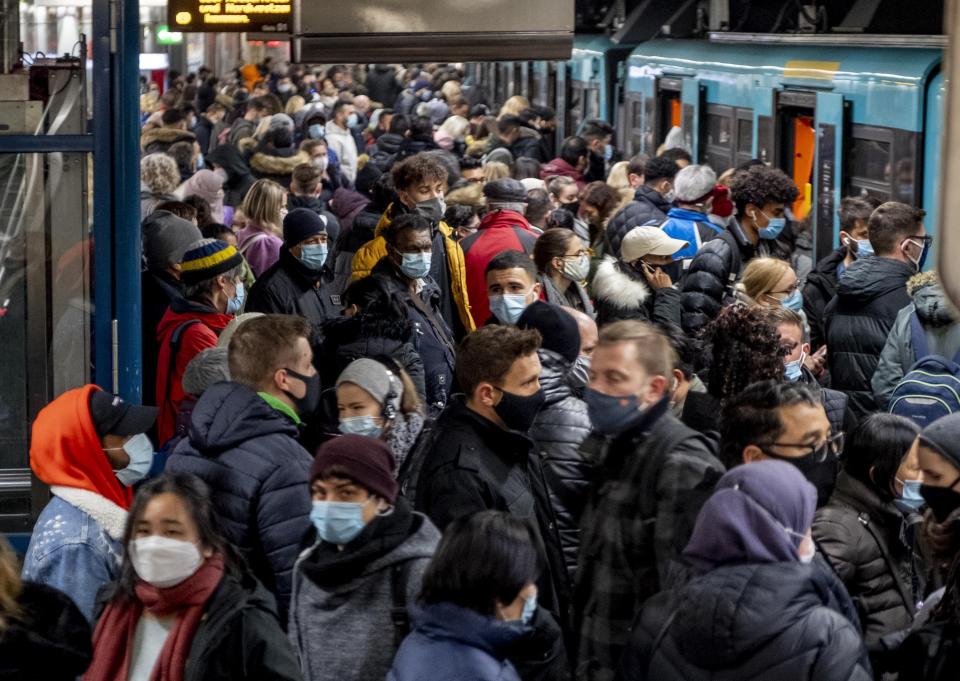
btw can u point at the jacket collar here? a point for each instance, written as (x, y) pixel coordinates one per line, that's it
(651, 195)
(108, 515)
(507, 442)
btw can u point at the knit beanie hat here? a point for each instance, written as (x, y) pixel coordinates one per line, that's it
(557, 327)
(166, 238)
(365, 460)
(375, 379)
(300, 224)
(207, 258)
(280, 120)
(943, 437)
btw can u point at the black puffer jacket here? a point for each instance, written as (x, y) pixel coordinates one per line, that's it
(648, 204)
(558, 431)
(245, 450)
(857, 321)
(820, 289)
(770, 622)
(620, 293)
(861, 536)
(835, 403)
(717, 265)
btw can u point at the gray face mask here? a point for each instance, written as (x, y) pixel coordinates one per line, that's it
(579, 374)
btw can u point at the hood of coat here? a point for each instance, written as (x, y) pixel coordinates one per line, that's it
(725, 617)
(389, 142)
(560, 167)
(446, 621)
(229, 414)
(276, 164)
(346, 202)
(182, 310)
(652, 196)
(166, 136)
(931, 302)
(553, 377)
(227, 156)
(871, 278)
(613, 284)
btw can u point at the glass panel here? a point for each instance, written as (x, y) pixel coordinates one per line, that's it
(718, 130)
(870, 159)
(593, 103)
(745, 136)
(718, 159)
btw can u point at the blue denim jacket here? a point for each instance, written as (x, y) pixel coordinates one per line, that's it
(72, 552)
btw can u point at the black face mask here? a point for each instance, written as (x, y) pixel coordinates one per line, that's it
(820, 474)
(942, 500)
(307, 404)
(573, 207)
(517, 412)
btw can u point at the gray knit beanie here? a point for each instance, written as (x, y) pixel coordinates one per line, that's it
(374, 378)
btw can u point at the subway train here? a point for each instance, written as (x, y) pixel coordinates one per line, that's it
(842, 115)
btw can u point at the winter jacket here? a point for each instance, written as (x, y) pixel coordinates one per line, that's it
(691, 226)
(149, 202)
(930, 653)
(624, 555)
(411, 147)
(290, 287)
(382, 85)
(529, 145)
(499, 231)
(343, 144)
(869, 297)
(363, 335)
(819, 290)
(475, 465)
(560, 168)
(452, 643)
(940, 326)
(835, 403)
(343, 600)
(246, 451)
(358, 222)
(274, 164)
(431, 337)
(575, 296)
(619, 293)
(558, 431)
(198, 327)
(760, 622)
(157, 290)
(447, 260)
(861, 535)
(154, 140)
(260, 247)
(239, 178)
(49, 640)
(648, 205)
(712, 274)
(383, 153)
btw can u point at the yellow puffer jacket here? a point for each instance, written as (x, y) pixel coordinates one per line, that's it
(373, 251)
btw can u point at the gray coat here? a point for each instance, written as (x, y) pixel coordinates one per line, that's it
(329, 626)
(940, 324)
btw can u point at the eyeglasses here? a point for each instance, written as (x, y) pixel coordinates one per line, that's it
(925, 238)
(833, 445)
(579, 254)
(785, 294)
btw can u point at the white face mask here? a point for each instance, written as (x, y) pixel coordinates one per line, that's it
(164, 562)
(807, 558)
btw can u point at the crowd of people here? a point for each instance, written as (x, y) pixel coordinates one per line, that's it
(428, 397)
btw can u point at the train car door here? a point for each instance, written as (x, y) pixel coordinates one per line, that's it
(669, 111)
(764, 131)
(832, 124)
(641, 95)
(693, 96)
(796, 144)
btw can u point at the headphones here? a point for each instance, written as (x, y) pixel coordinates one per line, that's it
(388, 408)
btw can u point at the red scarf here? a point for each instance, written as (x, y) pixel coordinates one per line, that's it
(113, 637)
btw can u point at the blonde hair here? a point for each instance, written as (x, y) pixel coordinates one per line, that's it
(10, 585)
(159, 173)
(410, 401)
(618, 175)
(760, 276)
(513, 106)
(262, 204)
(494, 170)
(294, 104)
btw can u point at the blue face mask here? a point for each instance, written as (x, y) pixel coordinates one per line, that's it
(352, 120)
(774, 227)
(910, 495)
(794, 301)
(140, 450)
(235, 304)
(360, 425)
(792, 371)
(416, 265)
(313, 255)
(201, 164)
(315, 131)
(608, 153)
(609, 414)
(508, 307)
(337, 522)
(864, 249)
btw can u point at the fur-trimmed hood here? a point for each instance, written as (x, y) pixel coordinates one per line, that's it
(267, 164)
(165, 136)
(614, 286)
(932, 305)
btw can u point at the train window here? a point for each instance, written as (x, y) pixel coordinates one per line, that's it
(593, 103)
(719, 128)
(745, 136)
(870, 160)
(729, 140)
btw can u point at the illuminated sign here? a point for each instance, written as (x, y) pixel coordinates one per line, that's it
(167, 37)
(248, 16)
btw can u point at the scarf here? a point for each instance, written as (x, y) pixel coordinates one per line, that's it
(402, 435)
(113, 637)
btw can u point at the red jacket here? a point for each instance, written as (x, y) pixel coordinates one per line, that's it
(560, 167)
(501, 230)
(193, 339)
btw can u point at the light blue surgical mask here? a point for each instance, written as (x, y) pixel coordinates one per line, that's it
(529, 609)
(794, 301)
(792, 371)
(508, 307)
(352, 120)
(910, 495)
(235, 304)
(313, 255)
(774, 227)
(416, 265)
(315, 131)
(201, 164)
(140, 450)
(337, 522)
(608, 153)
(360, 425)
(864, 249)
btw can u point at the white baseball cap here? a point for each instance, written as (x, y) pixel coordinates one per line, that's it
(641, 241)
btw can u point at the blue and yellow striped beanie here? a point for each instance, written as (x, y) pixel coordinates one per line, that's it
(207, 258)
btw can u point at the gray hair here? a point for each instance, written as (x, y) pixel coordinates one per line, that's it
(206, 287)
(694, 182)
(516, 207)
(207, 368)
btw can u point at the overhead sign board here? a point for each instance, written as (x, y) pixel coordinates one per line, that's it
(219, 16)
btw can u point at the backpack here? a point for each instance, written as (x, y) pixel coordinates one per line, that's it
(931, 389)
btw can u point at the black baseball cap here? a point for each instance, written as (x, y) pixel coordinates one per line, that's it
(112, 416)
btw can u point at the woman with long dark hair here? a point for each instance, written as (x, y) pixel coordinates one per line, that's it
(184, 608)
